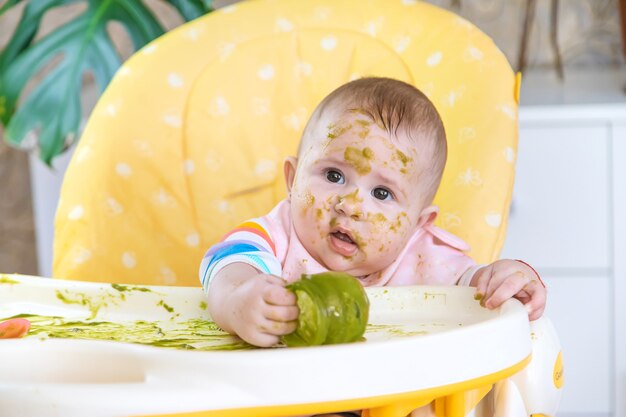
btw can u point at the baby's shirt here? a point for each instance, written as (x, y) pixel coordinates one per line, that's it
(432, 256)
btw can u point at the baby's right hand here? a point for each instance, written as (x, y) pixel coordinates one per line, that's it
(261, 310)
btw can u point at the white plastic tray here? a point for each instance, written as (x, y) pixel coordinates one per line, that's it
(419, 337)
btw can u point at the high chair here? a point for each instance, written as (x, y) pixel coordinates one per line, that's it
(189, 138)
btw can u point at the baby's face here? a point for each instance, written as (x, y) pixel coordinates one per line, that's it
(357, 196)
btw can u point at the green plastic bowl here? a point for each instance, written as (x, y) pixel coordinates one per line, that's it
(333, 309)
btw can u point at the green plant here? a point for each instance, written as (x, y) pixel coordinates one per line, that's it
(51, 113)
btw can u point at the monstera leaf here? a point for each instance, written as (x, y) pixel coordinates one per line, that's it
(48, 118)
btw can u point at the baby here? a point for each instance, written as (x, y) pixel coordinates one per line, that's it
(359, 200)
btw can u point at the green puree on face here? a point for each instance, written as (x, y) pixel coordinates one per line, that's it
(333, 309)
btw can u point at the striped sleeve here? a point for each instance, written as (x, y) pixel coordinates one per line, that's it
(250, 243)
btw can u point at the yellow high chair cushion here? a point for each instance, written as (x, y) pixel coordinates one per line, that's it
(189, 138)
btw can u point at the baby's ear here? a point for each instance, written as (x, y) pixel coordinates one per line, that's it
(289, 168)
(427, 216)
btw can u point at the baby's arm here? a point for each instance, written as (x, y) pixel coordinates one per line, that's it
(246, 297)
(255, 306)
(497, 282)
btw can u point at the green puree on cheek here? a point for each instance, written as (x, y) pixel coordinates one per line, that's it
(333, 309)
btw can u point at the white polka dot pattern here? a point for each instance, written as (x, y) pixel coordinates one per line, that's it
(123, 170)
(434, 59)
(76, 213)
(193, 239)
(493, 219)
(219, 107)
(128, 260)
(266, 72)
(284, 25)
(115, 207)
(328, 43)
(175, 80)
(172, 120)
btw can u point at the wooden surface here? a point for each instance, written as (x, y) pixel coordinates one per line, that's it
(17, 235)
(622, 14)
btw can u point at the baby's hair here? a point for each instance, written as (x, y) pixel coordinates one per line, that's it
(397, 107)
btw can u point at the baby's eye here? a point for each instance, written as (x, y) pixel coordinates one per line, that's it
(335, 176)
(382, 193)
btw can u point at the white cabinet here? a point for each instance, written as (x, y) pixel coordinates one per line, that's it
(619, 263)
(580, 310)
(561, 190)
(568, 219)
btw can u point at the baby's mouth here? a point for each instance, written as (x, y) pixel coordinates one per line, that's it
(343, 243)
(343, 236)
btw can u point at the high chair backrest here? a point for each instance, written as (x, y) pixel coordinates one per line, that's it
(189, 138)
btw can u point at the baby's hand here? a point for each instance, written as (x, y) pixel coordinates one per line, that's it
(261, 310)
(506, 278)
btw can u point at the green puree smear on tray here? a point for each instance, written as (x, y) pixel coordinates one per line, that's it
(193, 334)
(105, 299)
(333, 309)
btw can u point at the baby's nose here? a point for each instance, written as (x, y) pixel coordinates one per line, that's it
(349, 206)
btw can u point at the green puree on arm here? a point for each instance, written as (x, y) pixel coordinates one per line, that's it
(333, 309)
